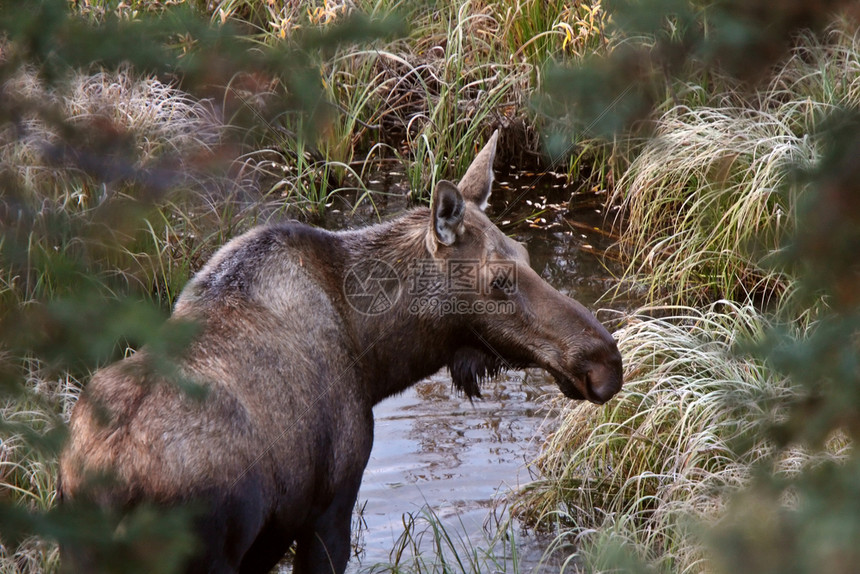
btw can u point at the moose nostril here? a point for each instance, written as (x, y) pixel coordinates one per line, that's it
(602, 384)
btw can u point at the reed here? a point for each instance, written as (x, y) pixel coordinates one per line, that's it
(427, 545)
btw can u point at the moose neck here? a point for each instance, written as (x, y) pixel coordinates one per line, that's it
(396, 345)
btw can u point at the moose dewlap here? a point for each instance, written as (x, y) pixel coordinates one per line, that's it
(300, 332)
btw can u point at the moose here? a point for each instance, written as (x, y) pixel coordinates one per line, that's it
(299, 333)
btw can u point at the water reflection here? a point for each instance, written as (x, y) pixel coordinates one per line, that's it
(433, 447)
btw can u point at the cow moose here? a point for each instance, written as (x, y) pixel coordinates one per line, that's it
(300, 332)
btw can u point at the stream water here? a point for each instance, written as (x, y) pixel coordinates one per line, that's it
(436, 450)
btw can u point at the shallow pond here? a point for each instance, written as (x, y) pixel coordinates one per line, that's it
(433, 448)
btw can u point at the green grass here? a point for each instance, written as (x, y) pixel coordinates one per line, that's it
(432, 97)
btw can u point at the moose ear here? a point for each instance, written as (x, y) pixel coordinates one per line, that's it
(447, 210)
(478, 181)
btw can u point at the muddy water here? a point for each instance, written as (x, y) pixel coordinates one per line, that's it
(436, 449)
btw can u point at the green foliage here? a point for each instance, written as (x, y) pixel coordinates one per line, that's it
(149, 539)
(134, 139)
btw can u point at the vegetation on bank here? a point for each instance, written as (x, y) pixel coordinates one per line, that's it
(712, 194)
(733, 435)
(125, 163)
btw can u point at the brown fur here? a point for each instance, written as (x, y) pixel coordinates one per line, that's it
(276, 450)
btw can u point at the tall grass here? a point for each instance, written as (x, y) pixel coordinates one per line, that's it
(538, 31)
(711, 196)
(432, 97)
(682, 435)
(87, 169)
(464, 91)
(708, 198)
(154, 120)
(707, 206)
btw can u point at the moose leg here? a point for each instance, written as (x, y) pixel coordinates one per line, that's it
(326, 549)
(230, 528)
(268, 549)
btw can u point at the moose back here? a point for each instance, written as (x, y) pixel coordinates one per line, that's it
(301, 332)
